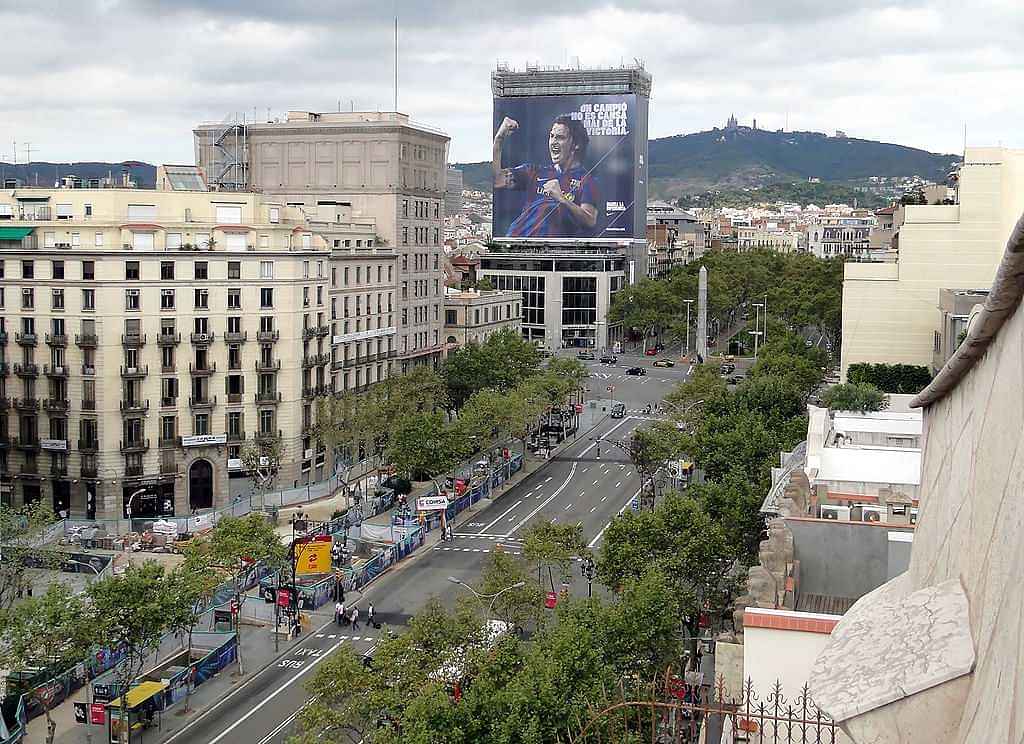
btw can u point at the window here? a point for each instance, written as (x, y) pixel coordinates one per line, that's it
(98, 240)
(166, 299)
(173, 242)
(168, 391)
(168, 428)
(88, 270)
(346, 276)
(320, 269)
(266, 297)
(76, 240)
(58, 299)
(167, 357)
(167, 270)
(88, 210)
(131, 269)
(235, 241)
(88, 299)
(28, 270)
(132, 301)
(1, 297)
(266, 269)
(202, 240)
(49, 240)
(320, 295)
(405, 236)
(275, 215)
(228, 214)
(234, 324)
(201, 423)
(201, 270)
(28, 298)
(143, 241)
(142, 212)
(58, 269)
(305, 269)
(234, 298)
(234, 269)
(202, 299)
(266, 421)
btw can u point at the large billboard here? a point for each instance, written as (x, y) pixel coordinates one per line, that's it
(565, 167)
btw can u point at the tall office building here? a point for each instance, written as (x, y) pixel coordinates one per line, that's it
(381, 165)
(453, 192)
(147, 336)
(570, 197)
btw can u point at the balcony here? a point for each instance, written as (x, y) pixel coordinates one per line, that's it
(26, 443)
(57, 339)
(135, 406)
(308, 333)
(168, 402)
(323, 331)
(168, 339)
(270, 397)
(236, 338)
(236, 436)
(266, 436)
(26, 339)
(202, 371)
(88, 405)
(87, 340)
(88, 445)
(26, 404)
(202, 339)
(26, 370)
(134, 445)
(58, 469)
(135, 372)
(268, 337)
(59, 371)
(88, 371)
(315, 360)
(5, 369)
(133, 340)
(30, 468)
(234, 398)
(134, 471)
(168, 468)
(56, 405)
(268, 365)
(317, 392)
(198, 403)
(167, 443)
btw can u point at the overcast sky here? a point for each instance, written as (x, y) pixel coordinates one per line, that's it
(122, 79)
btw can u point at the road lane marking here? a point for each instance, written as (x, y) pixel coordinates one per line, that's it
(548, 500)
(596, 482)
(567, 507)
(593, 509)
(500, 518)
(238, 722)
(619, 484)
(603, 498)
(548, 478)
(624, 507)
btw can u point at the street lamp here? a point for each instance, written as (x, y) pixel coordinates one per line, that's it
(481, 597)
(758, 307)
(128, 506)
(589, 571)
(688, 303)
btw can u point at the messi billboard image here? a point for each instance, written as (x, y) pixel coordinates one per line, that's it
(564, 166)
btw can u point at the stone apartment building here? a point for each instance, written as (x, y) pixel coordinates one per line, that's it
(470, 316)
(147, 336)
(380, 164)
(833, 236)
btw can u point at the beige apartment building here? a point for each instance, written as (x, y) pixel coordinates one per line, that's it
(147, 336)
(891, 310)
(470, 316)
(381, 164)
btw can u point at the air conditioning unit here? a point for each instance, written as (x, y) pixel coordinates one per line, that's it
(870, 513)
(838, 513)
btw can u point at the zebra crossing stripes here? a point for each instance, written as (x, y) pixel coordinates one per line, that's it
(475, 550)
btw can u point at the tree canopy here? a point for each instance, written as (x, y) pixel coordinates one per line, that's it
(855, 396)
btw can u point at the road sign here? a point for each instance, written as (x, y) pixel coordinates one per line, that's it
(97, 714)
(550, 600)
(284, 597)
(81, 713)
(432, 503)
(579, 408)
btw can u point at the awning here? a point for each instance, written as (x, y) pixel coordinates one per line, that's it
(139, 694)
(14, 233)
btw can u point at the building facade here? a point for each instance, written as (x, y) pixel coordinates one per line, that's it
(889, 309)
(847, 236)
(470, 316)
(146, 337)
(765, 238)
(453, 192)
(382, 165)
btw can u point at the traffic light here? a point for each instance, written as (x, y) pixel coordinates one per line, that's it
(90, 502)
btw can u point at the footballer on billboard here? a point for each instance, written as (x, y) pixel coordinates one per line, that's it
(563, 166)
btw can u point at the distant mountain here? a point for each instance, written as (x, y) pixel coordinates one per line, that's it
(745, 157)
(47, 174)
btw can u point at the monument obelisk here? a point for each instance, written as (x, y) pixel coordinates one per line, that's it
(702, 315)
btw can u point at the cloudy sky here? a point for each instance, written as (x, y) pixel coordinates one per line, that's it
(127, 79)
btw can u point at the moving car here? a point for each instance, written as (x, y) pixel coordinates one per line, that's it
(609, 359)
(664, 363)
(638, 371)
(585, 355)
(618, 410)
(653, 351)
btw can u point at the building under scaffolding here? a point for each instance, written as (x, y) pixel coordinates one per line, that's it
(222, 153)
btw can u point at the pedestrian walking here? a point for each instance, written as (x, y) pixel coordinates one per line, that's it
(355, 618)
(369, 615)
(339, 613)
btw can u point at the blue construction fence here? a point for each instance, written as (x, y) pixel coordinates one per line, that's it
(223, 650)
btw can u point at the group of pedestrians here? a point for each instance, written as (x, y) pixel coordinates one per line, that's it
(344, 617)
(446, 533)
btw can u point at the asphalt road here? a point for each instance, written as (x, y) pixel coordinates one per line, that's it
(588, 483)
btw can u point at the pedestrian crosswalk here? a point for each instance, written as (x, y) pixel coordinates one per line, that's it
(474, 550)
(344, 637)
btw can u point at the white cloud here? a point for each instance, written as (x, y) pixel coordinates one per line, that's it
(113, 79)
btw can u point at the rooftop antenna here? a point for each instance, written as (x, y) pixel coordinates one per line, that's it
(14, 144)
(396, 57)
(28, 152)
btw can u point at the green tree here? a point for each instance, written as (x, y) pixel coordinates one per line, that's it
(855, 396)
(424, 445)
(520, 607)
(192, 587)
(261, 458)
(734, 504)
(23, 535)
(552, 546)
(232, 549)
(131, 612)
(501, 362)
(891, 378)
(51, 632)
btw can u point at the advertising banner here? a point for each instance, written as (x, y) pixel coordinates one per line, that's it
(564, 166)
(431, 503)
(313, 557)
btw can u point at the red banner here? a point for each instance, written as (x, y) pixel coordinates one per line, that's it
(97, 714)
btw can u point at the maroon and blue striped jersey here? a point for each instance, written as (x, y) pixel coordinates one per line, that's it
(543, 216)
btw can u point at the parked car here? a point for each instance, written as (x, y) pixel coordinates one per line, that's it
(653, 351)
(735, 379)
(664, 363)
(609, 359)
(637, 371)
(659, 346)
(585, 355)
